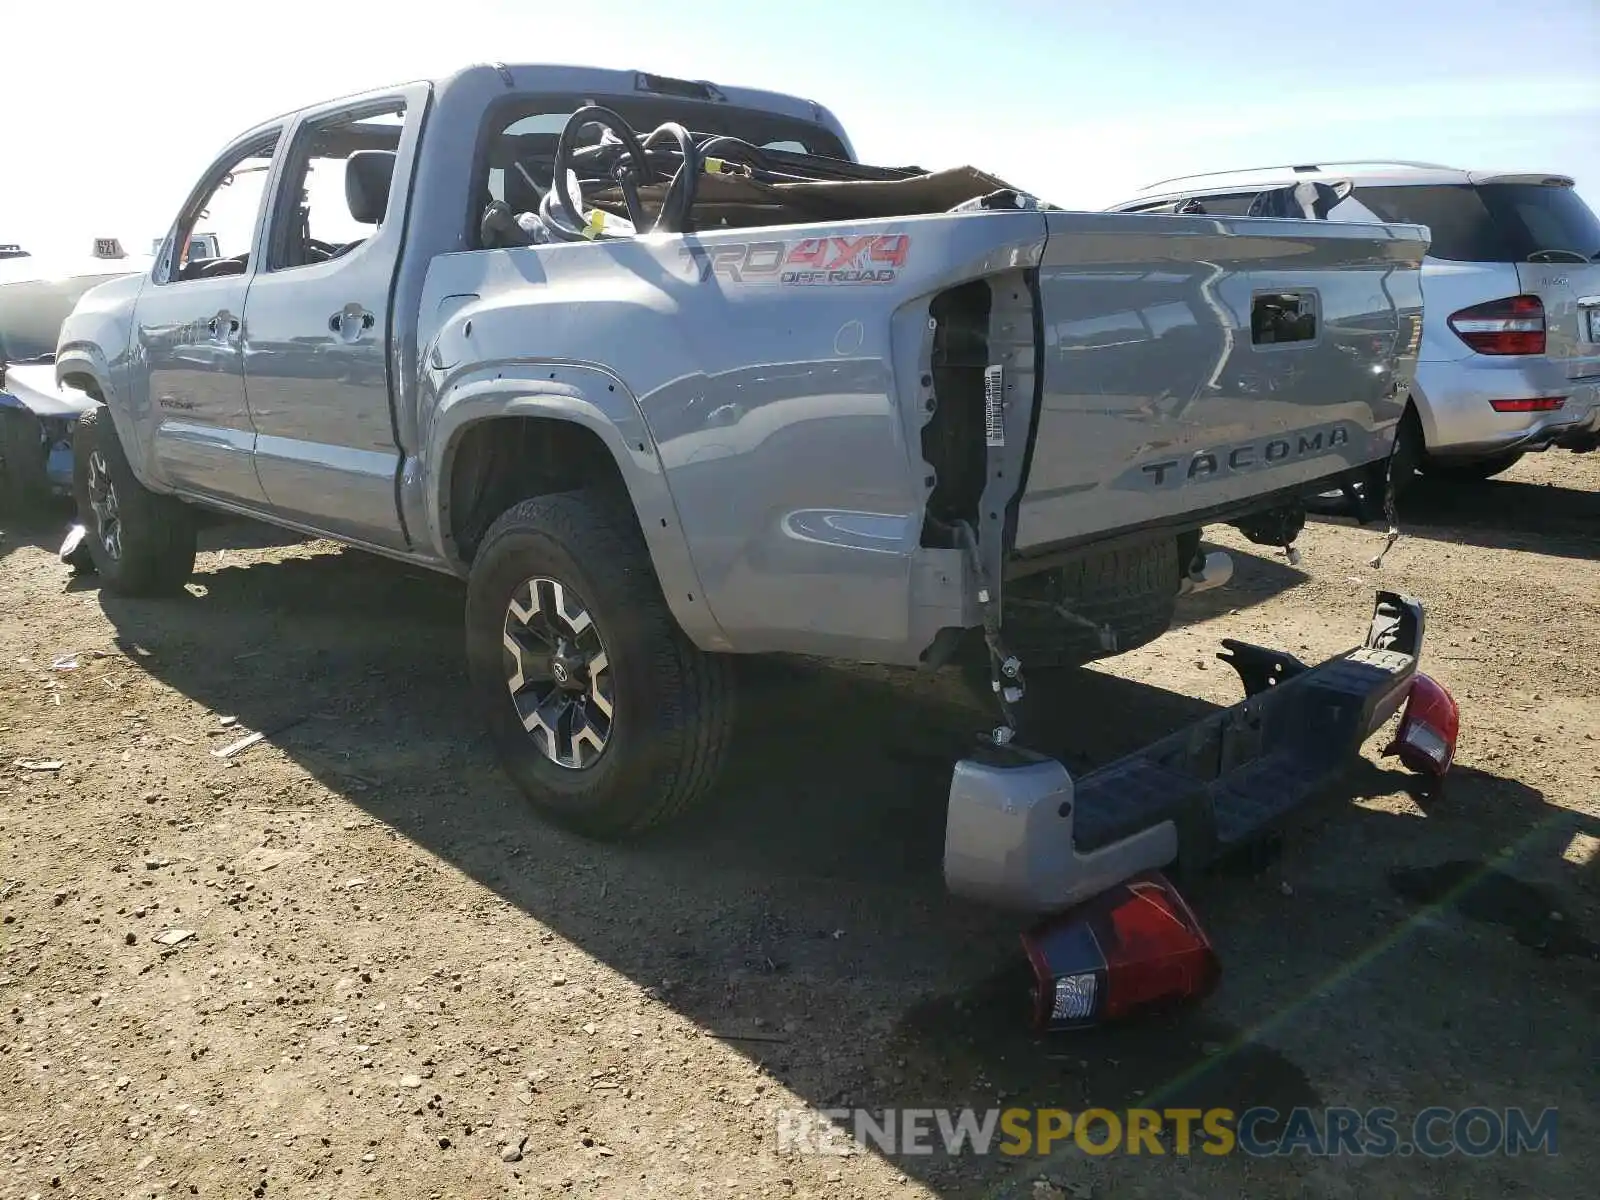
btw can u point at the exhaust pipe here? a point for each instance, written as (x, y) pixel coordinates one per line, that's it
(1216, 571)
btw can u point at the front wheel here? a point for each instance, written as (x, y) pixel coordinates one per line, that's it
(142, 543)
(607, 718)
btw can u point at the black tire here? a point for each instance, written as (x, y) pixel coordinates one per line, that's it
(672, 704)
(152, 553)
(1133, 591)
(1476, 471)
(1409, 452)
(24, 486)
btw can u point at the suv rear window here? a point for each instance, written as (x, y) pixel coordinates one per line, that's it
(1544, 218)
(1495, 222)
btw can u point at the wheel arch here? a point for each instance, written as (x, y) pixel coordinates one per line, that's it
(498, 436)
(80, 375)
(82, 366)
(1417, 401)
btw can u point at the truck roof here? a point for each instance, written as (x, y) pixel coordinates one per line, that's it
(562, 77)
(585, 81)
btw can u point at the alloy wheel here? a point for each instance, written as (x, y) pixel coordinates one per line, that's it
(103, 503)
(558, 673)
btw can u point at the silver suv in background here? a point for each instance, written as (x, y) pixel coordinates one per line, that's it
(1510, 353)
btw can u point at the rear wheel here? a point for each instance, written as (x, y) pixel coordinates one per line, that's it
(1475, 471)
(607, 718)
(142, 543)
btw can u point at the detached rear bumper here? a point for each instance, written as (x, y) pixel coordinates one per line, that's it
(1023, 834)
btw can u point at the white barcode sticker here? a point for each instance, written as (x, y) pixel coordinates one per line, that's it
(994, 405)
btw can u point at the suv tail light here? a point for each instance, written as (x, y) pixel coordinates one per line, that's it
(1514, 325)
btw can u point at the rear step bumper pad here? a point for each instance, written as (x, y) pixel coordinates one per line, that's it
(1022, 834)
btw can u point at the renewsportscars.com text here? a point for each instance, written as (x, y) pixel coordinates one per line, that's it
(1474, 1132)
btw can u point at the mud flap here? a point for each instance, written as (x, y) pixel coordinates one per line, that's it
(1021, 833)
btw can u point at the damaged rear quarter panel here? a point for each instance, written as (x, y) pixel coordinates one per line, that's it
(778, 384)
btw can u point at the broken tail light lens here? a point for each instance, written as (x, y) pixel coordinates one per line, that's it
(1134, 947)
(1514, 325)
(1426, 739)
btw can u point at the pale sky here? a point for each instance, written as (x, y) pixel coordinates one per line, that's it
(111, 110)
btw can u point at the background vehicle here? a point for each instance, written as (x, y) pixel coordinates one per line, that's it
(201, 245)
(37, 291)
(1510, 355)
(37, 418)
(815, 412)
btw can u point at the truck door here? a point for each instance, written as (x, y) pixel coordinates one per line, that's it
(316, 363)
(188, 332)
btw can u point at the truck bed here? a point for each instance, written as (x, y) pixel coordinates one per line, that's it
(827, 401)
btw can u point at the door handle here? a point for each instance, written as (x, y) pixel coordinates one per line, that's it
(355, 315)
(217, 322)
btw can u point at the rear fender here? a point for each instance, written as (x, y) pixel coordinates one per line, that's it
(600, 403)
(1417, 400)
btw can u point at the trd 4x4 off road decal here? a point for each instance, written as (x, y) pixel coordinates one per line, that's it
(870, 258)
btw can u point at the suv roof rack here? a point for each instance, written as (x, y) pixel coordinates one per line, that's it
(1306, 167)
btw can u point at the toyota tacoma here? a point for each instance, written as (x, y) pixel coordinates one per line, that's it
(667, 375)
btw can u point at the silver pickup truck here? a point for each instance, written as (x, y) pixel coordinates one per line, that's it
(722, 389)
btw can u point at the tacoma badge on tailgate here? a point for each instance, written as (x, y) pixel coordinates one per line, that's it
(1245, 456)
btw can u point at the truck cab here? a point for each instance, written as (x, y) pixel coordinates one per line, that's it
(321, 250)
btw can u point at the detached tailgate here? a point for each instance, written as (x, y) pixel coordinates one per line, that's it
(1191, 364)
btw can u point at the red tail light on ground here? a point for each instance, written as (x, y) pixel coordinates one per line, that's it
(1426, 739)
(1134, 947)
(1514, 325)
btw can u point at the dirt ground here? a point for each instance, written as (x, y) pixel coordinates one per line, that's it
(401, 984)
